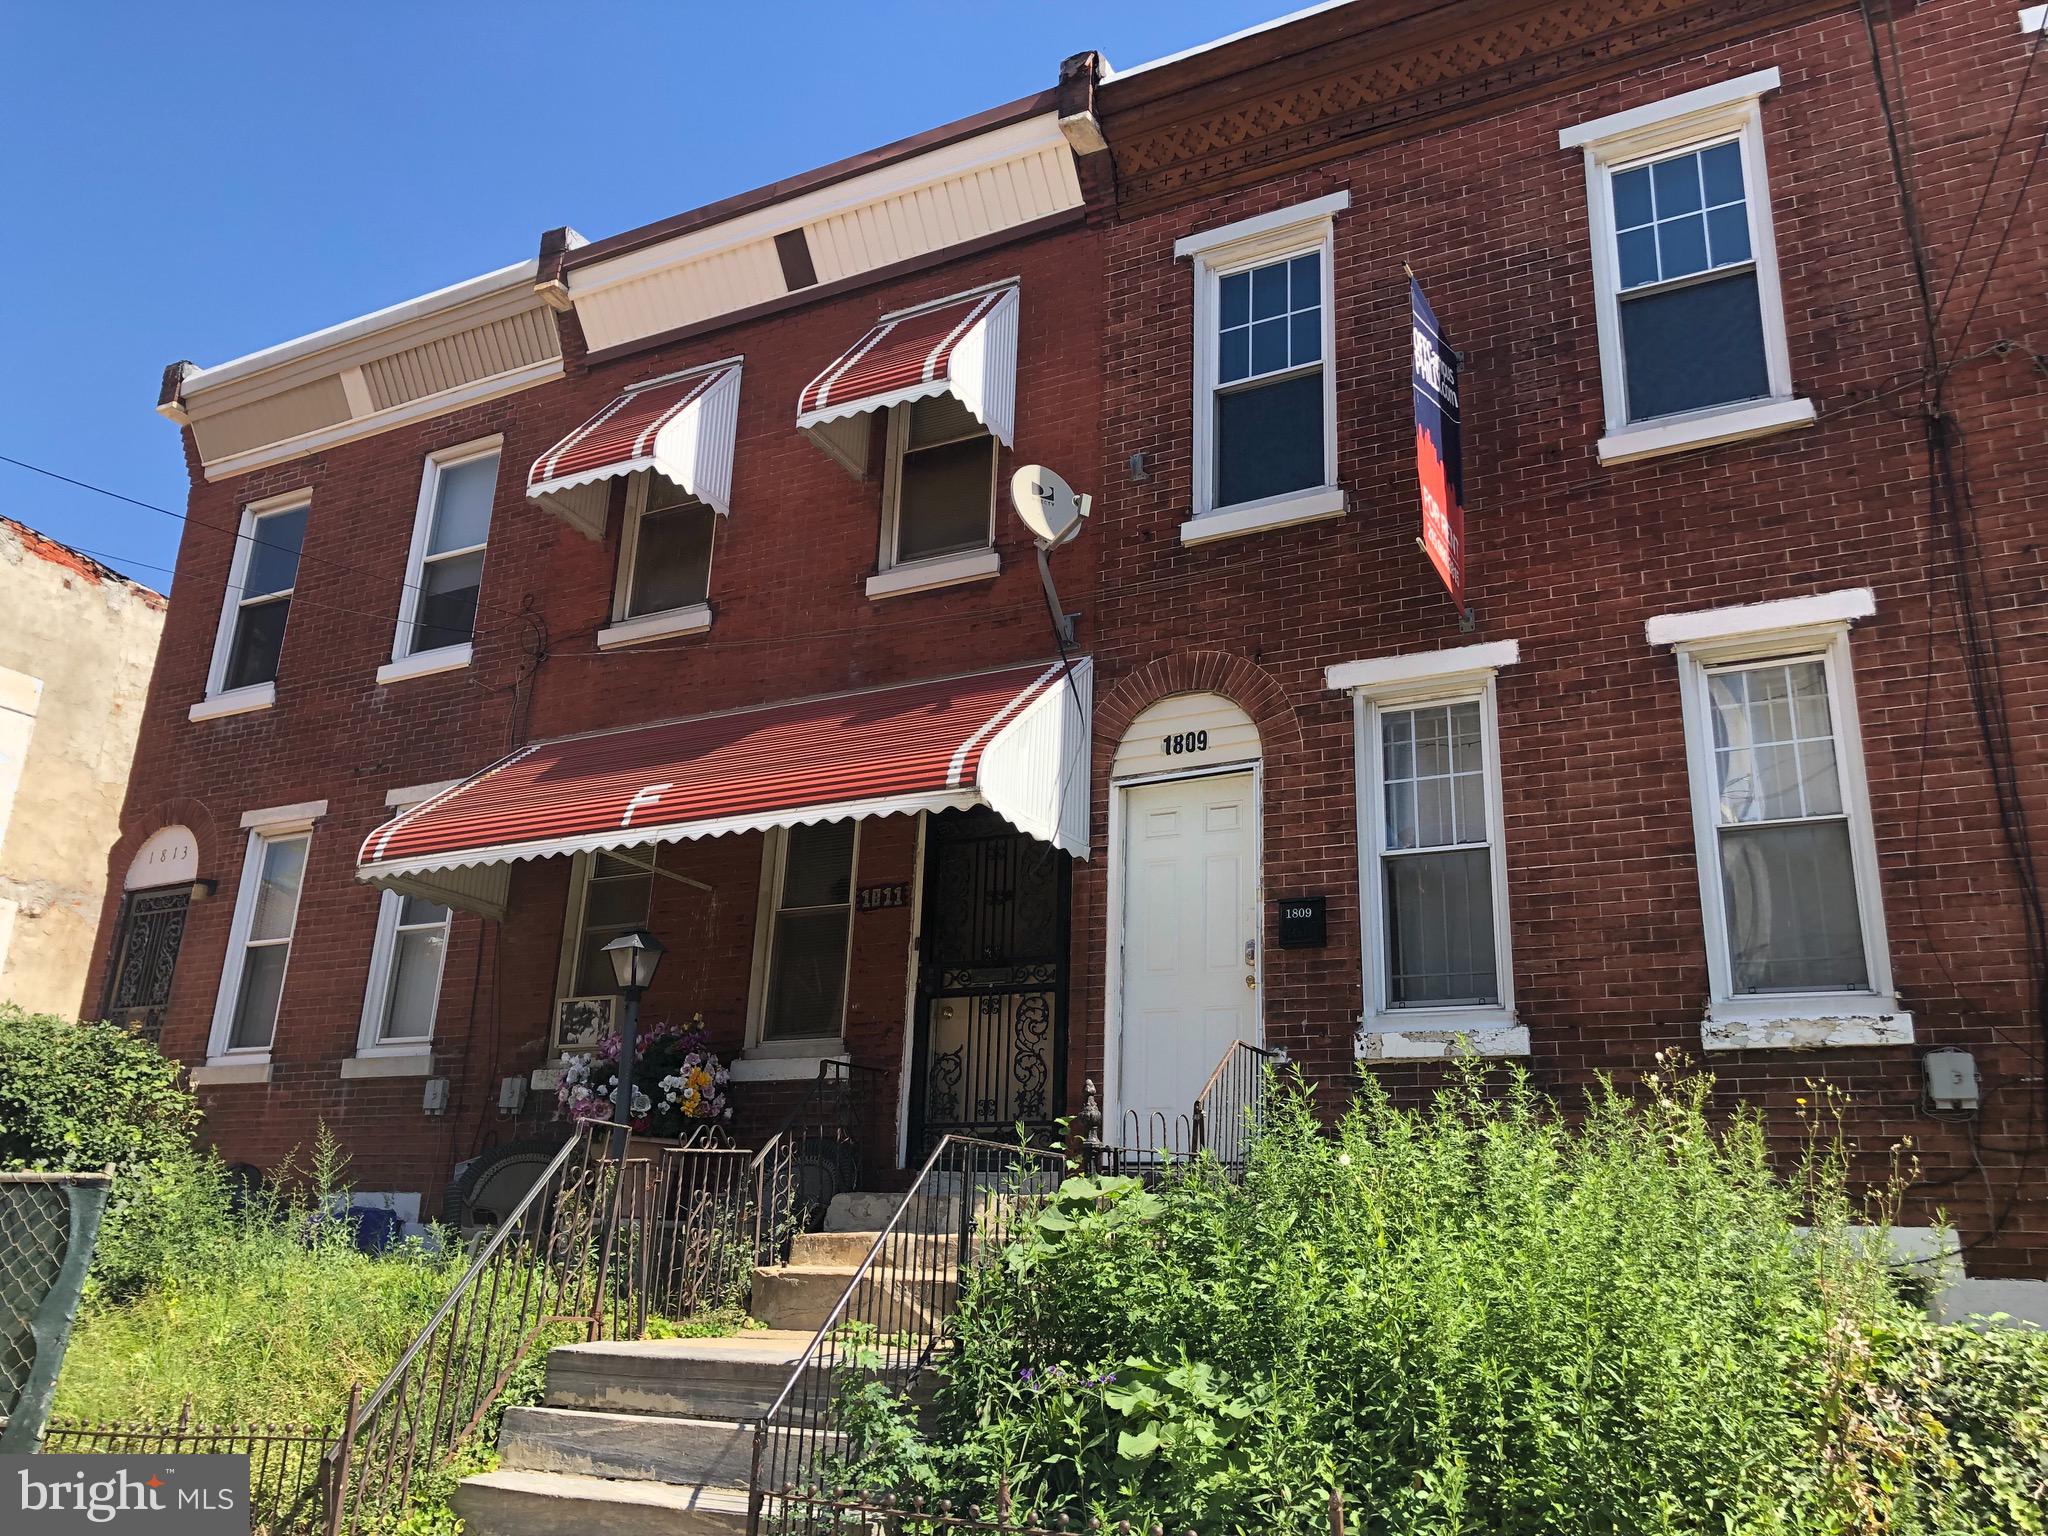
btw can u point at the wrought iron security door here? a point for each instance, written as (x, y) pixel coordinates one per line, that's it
(146, 958)
(991, 1047)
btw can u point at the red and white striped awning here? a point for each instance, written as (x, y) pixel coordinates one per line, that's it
(682, 425)
(965, 346)
(1015, 740)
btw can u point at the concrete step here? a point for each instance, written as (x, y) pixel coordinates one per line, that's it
(650, 1447)
(904, 1250)
(802, 1296)
(858, 1211)
(511, 1503)
(730, 1378)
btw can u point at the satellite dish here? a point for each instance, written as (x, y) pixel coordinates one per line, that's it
(1046, 503)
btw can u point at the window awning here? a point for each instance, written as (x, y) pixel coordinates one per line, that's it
(1015, 740)
(964, 346)
(682, 425)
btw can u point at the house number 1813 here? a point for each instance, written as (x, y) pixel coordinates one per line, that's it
(1186, 741)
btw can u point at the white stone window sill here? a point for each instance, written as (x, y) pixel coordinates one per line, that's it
(389, 1063)
(1704, 429)
(1792, 1030)
(236, 701)
(1314, 506)
(1442, 1036)
(222, 1070)
(782, 1061)
(945, 571)
(448, 658)
(693, 620)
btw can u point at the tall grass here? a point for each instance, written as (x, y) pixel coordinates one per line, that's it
(266, 1311)
(1477, 1317)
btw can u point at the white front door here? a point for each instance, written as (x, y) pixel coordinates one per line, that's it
(1190, 940)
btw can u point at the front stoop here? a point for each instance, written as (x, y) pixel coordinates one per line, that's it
(521, 1503)
(656, 1437)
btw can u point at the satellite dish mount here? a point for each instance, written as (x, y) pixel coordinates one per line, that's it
(1047, 505)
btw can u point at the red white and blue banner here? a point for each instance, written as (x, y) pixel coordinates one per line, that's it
(1438, 450)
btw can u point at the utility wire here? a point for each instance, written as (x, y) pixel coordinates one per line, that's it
(298, 551)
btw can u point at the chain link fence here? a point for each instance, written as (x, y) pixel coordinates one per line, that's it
(48, 1224)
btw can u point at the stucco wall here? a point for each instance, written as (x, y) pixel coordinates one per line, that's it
(89, 638)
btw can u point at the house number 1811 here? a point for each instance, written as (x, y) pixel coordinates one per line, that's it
(1186, 741)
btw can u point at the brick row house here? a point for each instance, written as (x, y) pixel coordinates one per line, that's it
(671, 580)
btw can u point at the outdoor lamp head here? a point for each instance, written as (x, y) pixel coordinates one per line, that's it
(635, 956)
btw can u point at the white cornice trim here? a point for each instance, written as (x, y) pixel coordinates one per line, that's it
(422, 409)
(1421, 666)
(1790, 613)
(518, 276)
(979, 152)
(1708, 98)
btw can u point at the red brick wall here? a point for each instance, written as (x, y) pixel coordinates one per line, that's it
(1571, 559)
(791, 620)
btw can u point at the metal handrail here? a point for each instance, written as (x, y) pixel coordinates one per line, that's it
(928, 1293)
(566, 1276)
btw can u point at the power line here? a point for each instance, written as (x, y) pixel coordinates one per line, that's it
(299, 551)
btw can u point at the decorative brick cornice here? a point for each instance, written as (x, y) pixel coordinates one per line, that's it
(1316, 88)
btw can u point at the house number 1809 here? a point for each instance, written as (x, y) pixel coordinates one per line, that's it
(1186, 741)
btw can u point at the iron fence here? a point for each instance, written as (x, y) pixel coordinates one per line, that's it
(48, 1225)
(592, 1249)
(285, 1460)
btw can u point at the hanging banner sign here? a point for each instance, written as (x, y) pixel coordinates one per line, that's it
(1438, 451)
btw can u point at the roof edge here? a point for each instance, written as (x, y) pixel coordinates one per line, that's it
(791, 187)
(518, 275)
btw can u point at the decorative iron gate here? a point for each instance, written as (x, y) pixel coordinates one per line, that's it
(991, 1048)
(146, 958)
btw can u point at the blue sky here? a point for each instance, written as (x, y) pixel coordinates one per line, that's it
(198, 181)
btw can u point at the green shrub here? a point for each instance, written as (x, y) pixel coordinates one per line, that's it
(1478, 1317)
(81, 1096)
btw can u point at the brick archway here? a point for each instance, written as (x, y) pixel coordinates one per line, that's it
(1245, 683)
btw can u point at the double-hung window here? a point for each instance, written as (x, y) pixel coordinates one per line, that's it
(406, 961)
(260, 933)
(1265, 381)
(1691, 321)
(445, 569)
(1796, 951)
(261, 579)
(802, 942)
(938, 499)
(1432, 862)
(664, 585)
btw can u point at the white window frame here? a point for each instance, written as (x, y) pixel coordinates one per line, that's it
(774, 866)
(581, 867)
(220, 700)
(1797, 630)
(1695, 120)
(626, 627)
(384, 975)
(406, 662)
(892, 576)
(1390, 684)
(280, 824)
(1216, 254)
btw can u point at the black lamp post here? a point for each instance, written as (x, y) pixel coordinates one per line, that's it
(635, 956)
